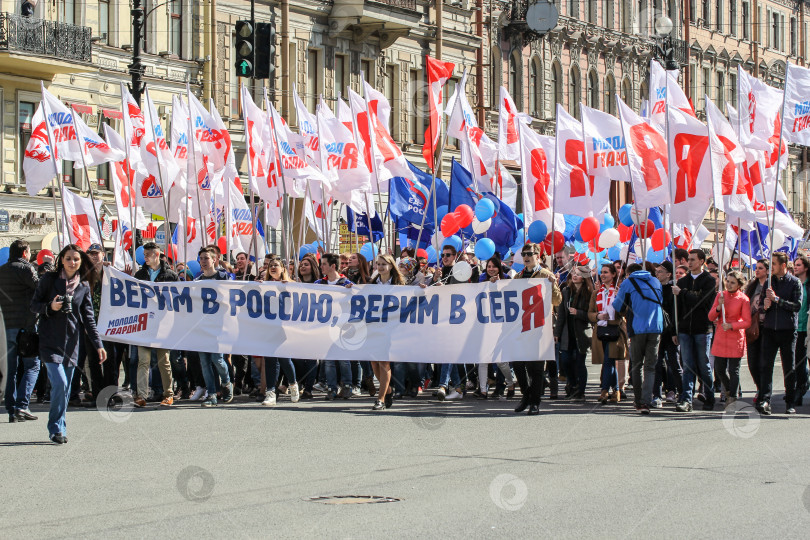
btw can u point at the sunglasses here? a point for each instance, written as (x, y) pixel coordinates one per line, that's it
(527, 253)
(447, 254)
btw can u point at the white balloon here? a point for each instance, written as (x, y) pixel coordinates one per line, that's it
(623, 252)
(462, 271)
(645, 248)
(479, 227)
(608, 239)
(437, 240)
(778, 239)
(726, 254)
(639, 216)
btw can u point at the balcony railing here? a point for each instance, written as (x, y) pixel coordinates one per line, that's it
(404, 4)
(47, 38)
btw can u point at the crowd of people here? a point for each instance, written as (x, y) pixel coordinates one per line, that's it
(670, 331)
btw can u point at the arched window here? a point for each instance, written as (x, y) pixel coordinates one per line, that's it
(627, 92)
(535, 88)
(556, 88)
(516, 79)
(593, 90)
(574, 92)
(610, 95)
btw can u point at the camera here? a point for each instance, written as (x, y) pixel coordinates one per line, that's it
(67, 303)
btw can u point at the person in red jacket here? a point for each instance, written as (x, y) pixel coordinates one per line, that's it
(731, 315)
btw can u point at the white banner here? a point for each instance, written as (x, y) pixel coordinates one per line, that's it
(505, 321)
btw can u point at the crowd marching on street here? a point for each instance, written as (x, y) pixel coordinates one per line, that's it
(662, 330)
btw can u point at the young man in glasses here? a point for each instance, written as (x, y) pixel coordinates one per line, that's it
(530, 373)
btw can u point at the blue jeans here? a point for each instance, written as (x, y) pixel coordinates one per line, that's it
(209, 362)
(60, 376)
(447, 373)
(695, 355)
(610, 377)
(331, 373)
(272, 369)
(17, 396)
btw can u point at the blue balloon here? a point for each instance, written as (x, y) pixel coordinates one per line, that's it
(369, 251)
(139, 256)
(517, 267)
(484, 249)
(194, 267)
(615, 253)
(656, 257)
(431, 254)
(441, 211)
(537, 231)
(303, 251)
(454, 241)
(607, 223)
(3, 255)
(577, 237)
(484, 210)
(581, 247)
(626, 216)
(603, 262)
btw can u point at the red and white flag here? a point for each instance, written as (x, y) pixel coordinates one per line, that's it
(215, 142)
(59, 121)
(123, 184)
(604, 145)
(726, 157)
(685, 238)
(690, 174)
(95, 148)
(259, 144)
(575, 191)
(537, 168)
(297, 171)
(759, 111)
(508, 133)
(646, 159)
(81, 224)
(308, 129)
(438, 74)
(797, 105)
(38, 163)
(155, 151)
(460, 115)
(665, 90)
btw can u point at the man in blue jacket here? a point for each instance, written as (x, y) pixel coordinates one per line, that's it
(641, 293)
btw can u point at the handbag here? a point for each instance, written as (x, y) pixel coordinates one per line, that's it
(752, 332)
(609, 333)
(27, 343)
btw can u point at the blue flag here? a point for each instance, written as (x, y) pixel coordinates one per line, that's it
(505, 224)
(358, 223)
(409, 200)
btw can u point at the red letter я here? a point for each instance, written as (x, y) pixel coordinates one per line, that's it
(534, 315)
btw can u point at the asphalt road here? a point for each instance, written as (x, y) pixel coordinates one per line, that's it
(459, 469)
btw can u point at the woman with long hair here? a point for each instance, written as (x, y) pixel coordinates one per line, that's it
(308, 269)
(607, 351)
(277, 271)
(387, 274)
(358, 272)
(572, 330)
(63, 300)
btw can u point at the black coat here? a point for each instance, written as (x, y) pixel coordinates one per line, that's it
(59, 333)
(18, 281)
(164, 274)
(694, 302)
(580, 322)
(784, 313)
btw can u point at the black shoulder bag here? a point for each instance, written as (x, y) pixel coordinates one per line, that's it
(27, 343)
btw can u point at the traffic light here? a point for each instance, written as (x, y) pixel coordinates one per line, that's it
(265, 51)
(244, 49)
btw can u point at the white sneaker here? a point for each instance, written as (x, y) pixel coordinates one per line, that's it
(453, 396)
(269, 399)
(198, 393)
(294, 394)
(320, 387)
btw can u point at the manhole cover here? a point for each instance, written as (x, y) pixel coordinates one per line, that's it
(352, 499)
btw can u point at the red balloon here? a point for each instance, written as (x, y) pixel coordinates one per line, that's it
(588, 229)
(625, 232)
(44, 253)
(450, 225)
(645, 230)
(660, 239)
(222, 245)
(421, 253)
(464, 215)
(559, 242)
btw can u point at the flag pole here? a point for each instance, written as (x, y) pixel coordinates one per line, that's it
(160, 174)
(286, 234)
(192, 140)
(133, 195)
(781, 119)
(642, 241)
(327, 214)
(373, 160)
(86, 174)
(52, 144)
(554, 185)
(671, 194)
(251, 182)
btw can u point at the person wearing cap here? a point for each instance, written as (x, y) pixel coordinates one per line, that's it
(102, 374)
(157, 271)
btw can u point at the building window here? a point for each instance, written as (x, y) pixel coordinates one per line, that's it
(313, 71)
(176, 28)
(415, 116)
(516, 80)
(573, 8)
(341, 75)
(693, 81)
(720, 97)
(732, 17)
(627, 17)
(608, 11)
(627, 92)
(66, 12)
(556, 87)
(590, 16)
(610, 95)
(719, 15)
(495, 78)
(706, 13)
(574, 92)
(643, 18)
(794, 37)
(365, 66)
(103, 170)
(593, 91)
(746, 20)
(25, 117)
(707, 86)
(388, 91)
(732, 85)
(104, 21)
(535, 89)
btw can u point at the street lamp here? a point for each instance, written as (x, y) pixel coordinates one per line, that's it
(664, 49)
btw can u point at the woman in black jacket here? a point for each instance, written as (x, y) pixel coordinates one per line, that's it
(64, 303)
(572, 330)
